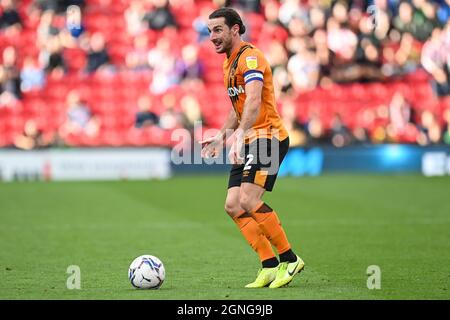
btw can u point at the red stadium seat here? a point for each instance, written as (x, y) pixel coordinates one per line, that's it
(75, 58)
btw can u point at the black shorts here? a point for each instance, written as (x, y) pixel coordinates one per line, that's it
(262, 159)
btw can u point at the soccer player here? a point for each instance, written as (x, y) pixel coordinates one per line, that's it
(260, 144)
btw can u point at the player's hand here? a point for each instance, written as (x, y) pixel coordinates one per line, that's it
(211, 147)
(235, 155)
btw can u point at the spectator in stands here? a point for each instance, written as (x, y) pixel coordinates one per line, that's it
(401, 127)
(435, 133)
(297, 135)
(32, 76)
(356, 12)
(303, 68)
(136, 59)
(281, 82)
(145, 116)
(33, 137)
(430, 130)
(10, 18)
(381, 26)
(323, 55)
(272, 29)
(390, 66)
(367, 56)
(411, 19)
(246, 5)
(59, 6)
(380, 123)
(443, 12)
(404, 21)
(11, 80)
(425, 17)
(298, 28)
(191, 112)
(360, 135)
(339, 132)
(161, 16)
(276, 54)
(343, 43)
(50, 5)
(33, 16)
(364, 125)
(79, 117)
(399, 112)
(339, 12)
(435, 59)
(315, 128)
(290, 9)
(401, 58)
(7, 96)
(170, 118)
(97, 56)
(134, 18)
(188, 66)
(316, 18)
(407, 55)
(161, 60)
(47, 28)
(51, 57)
(200, 24)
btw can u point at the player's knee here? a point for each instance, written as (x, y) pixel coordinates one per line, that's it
(232, 209)
(246, 202)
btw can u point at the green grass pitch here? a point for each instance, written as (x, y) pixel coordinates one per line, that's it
(339, 224)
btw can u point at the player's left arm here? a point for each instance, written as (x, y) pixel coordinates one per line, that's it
(253, 92)
(252, 65)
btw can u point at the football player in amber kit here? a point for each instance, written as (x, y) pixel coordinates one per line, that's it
(258, 134)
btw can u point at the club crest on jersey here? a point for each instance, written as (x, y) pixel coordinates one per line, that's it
(252, 62)
(233, 91)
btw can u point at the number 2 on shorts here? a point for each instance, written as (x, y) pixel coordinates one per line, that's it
(247, 164)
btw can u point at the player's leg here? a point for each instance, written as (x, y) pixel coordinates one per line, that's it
(267, 219)
(249, 227)
(260, 177)
(251, 232)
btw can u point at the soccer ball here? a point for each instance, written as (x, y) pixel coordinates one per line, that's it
(146, 272)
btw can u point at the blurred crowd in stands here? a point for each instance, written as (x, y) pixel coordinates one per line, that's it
(345, 72)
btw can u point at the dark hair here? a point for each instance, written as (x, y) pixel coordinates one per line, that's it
(231, 18)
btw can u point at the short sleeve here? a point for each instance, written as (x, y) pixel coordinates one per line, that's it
(252, 64)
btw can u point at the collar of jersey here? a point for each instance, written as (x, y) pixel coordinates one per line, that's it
(233, 55)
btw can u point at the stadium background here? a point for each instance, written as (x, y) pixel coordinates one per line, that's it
(362, 86)
(338, 79)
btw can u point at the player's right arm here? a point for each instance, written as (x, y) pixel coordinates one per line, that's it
(213, 145)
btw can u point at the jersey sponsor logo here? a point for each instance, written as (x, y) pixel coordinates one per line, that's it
(233, 91)
(252, 62)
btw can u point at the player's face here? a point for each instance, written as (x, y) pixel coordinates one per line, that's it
(220, 35)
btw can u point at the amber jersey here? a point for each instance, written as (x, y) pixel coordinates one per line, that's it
(244, 65)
